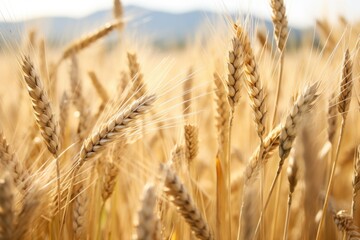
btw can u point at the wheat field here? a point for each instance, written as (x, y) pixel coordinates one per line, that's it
(241, 136)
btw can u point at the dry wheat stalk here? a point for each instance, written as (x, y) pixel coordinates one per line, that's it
(185, 205)
(254, 85)
(146, 225)
(138, 85)
(356, 183)
(280, 23)
(271, 142)
(109, 180)
(344, 223)
(9, 161)
(112, 129)
(7, 214)
(191, 142)
(89, 39)
(45, 119)
(222, 107)
(99, 87)
(346, 86)
(187, 92)
(235, 70)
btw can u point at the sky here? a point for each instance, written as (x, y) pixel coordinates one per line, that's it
(300, 12)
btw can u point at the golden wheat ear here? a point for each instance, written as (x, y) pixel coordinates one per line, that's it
(181, 198)
(44, 115)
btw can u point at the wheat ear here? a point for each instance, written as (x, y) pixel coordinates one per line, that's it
(187, 93)
(118, 10)
(191, 142)
(79, 212)
(146, 226)
(112, 129)
(280, 23)
(185, 204)
(303, 104)
(99, 87)
(45, 119)
(29, 213)
(345, 223)
(9, 161)
(235, 68)
(222, 107)
(281, 32)
(89, 39)
(254, 86)
(356, 184)
(138, 86)
(343, 105)
(270, 144)
(109, 180)
(292, 172)
(7, 214)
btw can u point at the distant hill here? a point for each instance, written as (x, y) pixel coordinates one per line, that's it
(160, 27)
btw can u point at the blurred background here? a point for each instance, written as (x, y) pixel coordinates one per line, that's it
(167, 23)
